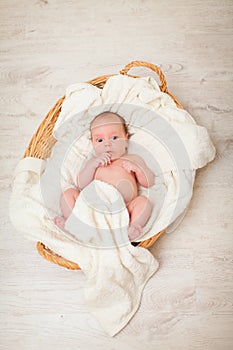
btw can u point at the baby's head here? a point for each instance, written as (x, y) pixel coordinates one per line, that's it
(109, 134)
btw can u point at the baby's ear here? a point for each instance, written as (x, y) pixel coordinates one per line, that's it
(127, 141)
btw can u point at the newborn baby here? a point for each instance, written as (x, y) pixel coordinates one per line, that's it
(112, 164)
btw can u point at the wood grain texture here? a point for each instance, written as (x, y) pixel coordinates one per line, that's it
(47, 45)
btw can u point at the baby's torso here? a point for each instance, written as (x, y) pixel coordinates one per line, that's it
(117, 176)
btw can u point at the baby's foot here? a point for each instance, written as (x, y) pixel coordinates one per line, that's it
(60, 222)
(134, 231)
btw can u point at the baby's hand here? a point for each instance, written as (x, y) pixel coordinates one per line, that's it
(130, 167)
(103, 160)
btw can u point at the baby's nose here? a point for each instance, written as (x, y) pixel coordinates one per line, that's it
(108, 143)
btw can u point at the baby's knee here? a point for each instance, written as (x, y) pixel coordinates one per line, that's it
(70, 193)
(141, 203)
(145, 203)
(69, 196)
(67, 201)
(145, 200)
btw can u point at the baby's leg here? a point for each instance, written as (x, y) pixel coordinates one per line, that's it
(140, 210)
(67, 203)
(68, 200)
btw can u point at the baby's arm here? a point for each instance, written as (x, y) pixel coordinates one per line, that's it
(144, 175)
(87, 173)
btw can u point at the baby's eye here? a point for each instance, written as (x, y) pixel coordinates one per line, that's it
(99, 139)
(114, 137)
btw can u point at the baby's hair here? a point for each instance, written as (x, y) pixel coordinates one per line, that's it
(120, 117)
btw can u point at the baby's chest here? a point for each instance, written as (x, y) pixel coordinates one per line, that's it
(112, 173)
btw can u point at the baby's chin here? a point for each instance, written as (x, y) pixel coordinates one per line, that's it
(117, 156)
(113, 155)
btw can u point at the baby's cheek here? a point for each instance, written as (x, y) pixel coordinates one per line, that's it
(98, 149)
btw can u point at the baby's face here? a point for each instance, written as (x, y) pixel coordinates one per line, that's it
(108, 136)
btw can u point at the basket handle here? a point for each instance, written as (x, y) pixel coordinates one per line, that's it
(156, 69)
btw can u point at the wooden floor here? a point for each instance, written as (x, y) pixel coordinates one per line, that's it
(47, 45)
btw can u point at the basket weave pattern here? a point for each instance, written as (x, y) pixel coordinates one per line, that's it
(42, 144)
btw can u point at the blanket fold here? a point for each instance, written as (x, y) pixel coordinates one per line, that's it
(99, 218)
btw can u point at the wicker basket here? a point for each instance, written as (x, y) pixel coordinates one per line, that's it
(42, 143)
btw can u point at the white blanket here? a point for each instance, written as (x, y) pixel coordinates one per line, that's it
(174, 147)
